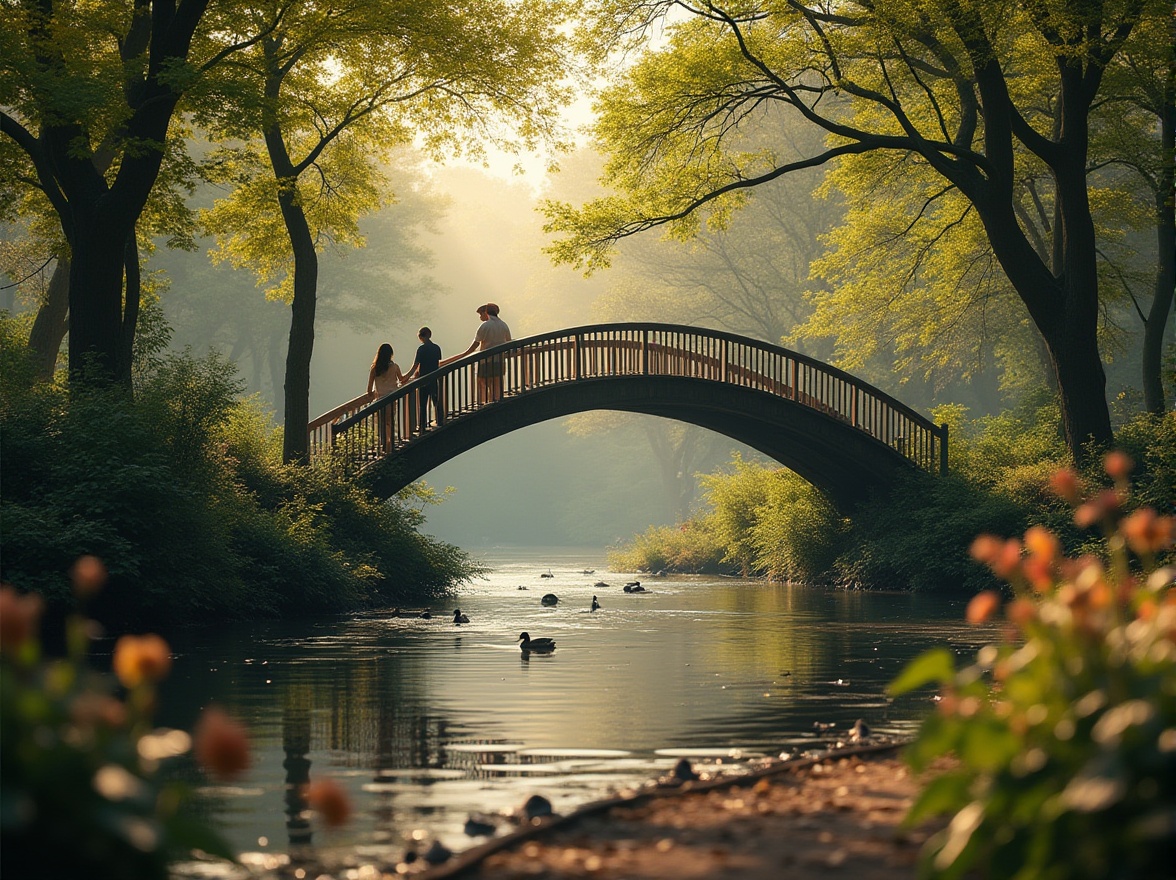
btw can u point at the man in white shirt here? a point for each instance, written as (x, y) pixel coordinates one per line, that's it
(491, 332)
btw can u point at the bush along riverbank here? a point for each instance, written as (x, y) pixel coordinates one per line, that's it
(761, 520)
(182, 494)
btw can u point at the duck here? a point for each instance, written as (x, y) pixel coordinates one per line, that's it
(540, 646)
(426, 615)
(458, 617)
(547, 574)
(549, 599)
(395, 612)
(588, 571)
(600, 585)
(595, 604)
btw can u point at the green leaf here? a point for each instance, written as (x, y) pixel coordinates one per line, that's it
(934, 666)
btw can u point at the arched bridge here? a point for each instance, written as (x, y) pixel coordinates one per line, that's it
(836, 431)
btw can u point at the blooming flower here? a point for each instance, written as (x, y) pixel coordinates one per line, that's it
(329, 800)
(19, 616)
(88, 575)
(1118, 465)
(139, 659)
(221, 744)
(982, 606)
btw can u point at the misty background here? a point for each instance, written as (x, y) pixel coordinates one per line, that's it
(455, 236)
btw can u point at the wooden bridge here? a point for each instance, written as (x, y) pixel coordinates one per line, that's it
(838, 432)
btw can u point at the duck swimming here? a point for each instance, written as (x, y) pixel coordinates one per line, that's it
(539, 646)
(550, 599)
(458, 617)
(547, 574)
(595, 604)
(426, 615)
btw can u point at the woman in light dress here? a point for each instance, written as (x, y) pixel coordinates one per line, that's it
(384, 378)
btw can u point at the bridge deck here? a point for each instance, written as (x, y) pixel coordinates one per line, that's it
(368, 430)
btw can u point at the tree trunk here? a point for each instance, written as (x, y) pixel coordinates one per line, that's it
(1161, 307)
(298, 355)
(95, 300)
(51, 323)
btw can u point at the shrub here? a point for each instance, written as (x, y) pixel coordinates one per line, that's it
(688, 547)
(1064, 729)
(183, 489)
(86, 790)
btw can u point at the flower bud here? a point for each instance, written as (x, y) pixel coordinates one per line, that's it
(982, 606)
(19, 617)
(221, 744)
(88, 575)
(329, 800)
(139, 659)
(1118, 465)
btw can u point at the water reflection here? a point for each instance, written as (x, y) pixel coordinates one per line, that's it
(425, 723)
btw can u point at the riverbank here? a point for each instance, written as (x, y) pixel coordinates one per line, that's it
(835, 815)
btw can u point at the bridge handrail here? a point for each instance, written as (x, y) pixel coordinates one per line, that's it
(397, 417)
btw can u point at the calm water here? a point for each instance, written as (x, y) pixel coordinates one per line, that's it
(425, 722)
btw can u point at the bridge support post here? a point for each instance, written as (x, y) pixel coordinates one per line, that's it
(943, 450)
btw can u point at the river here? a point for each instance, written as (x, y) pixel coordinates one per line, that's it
(424, 722)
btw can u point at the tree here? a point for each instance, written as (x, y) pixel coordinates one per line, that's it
(1137, 130)
(325, 91)
(89, 95)
(937, 82)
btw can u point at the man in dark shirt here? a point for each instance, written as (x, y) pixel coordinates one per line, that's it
(428, 358)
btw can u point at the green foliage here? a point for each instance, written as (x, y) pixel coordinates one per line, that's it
(690, 547)
(182, 493)
(84, 785)
(771, 522)
(768, 521)
(1063, 728)
(917, 537)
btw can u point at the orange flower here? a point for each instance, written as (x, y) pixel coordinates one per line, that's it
(329, 800)
(982, 606)
(1146, 532)
(88, 575)
(139, 659)
(221, 744)
(1039, 573)
(1118, 465)
(985, 548)
(1008, 560)
(19, 616)
(1066, 485)
(1042, 543)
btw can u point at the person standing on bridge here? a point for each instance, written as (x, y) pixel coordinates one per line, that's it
(428, 359)
(492, 331)
(384, 378)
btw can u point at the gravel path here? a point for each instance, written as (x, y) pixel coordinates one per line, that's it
(836, 816)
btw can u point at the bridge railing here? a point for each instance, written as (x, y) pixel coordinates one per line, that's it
(366, 430)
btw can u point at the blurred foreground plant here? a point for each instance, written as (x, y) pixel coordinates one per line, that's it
(1064, 730)
(82, 792)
